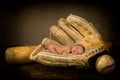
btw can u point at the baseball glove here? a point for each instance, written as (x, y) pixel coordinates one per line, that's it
(71, 31)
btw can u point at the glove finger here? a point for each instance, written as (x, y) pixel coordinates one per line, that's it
(47, 41)
(84, 27)
(61, 35)
(39, 48)
(42, 47)
(69, 30)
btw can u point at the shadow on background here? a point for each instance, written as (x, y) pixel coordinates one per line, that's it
(27, 23)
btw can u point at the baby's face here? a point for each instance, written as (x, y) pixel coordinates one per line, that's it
(78, 49)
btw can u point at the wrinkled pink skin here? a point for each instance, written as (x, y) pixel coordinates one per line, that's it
(61, 49)
(77, 49)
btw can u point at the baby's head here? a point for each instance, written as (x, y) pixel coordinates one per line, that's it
(77, 49)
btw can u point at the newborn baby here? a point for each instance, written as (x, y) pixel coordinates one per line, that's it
(61, 49)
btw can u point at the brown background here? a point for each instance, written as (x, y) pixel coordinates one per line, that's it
(27, 23)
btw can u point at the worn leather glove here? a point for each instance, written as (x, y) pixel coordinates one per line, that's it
(70, 31)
